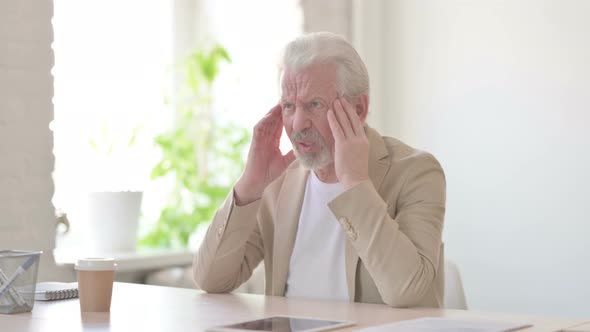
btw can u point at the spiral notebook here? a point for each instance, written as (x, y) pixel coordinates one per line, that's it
(49, 291)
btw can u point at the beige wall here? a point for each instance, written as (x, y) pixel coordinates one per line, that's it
(499, 91)
(328, 15)
(26, 160)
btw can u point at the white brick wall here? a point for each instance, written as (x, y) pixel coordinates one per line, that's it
(26, 160)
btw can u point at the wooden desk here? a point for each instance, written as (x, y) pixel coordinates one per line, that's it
(152, 308)
(579, 328)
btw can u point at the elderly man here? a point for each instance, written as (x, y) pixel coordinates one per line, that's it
(347, 214)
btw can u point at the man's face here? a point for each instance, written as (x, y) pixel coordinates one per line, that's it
(307, 95)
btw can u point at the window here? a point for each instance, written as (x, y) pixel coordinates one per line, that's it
(111, 61)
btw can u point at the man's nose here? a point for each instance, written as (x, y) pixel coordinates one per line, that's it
(301, 119)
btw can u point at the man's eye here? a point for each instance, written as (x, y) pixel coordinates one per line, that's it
(314, 105)
(288, 107)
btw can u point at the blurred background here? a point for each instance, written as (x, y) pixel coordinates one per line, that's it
(138, 114)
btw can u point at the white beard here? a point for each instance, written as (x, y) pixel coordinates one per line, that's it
(312, 160)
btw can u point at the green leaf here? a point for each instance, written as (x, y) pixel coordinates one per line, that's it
(202, 157)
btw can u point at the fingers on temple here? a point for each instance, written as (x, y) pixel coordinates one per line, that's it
(354, 119)
(270, 123)
(278, 129)
(335, 126)
(343, 118)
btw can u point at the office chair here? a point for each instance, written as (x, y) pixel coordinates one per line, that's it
(454, 294)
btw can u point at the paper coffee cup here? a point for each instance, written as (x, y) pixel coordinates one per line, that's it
(95, 283)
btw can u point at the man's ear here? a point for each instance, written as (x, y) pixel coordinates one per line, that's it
(361, 106)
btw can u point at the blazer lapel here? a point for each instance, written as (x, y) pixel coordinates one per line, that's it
(378, 165)
(286, 219)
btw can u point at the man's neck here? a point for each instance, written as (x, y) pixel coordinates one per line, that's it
(326, 174)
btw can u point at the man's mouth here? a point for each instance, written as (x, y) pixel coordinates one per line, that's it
(305, 146)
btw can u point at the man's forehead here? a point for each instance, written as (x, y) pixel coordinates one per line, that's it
(307, 83)
(303, 94)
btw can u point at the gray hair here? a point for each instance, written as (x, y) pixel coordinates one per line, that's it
(324, 48)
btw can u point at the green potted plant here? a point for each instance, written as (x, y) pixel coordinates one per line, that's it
(201, 156)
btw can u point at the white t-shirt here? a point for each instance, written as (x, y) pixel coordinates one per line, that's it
(317, 268)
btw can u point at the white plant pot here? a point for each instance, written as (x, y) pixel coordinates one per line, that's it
(113, 219)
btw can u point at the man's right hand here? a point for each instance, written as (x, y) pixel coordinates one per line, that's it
(265, 160)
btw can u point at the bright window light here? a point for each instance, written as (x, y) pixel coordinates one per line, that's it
(109, 74)
(112, 66)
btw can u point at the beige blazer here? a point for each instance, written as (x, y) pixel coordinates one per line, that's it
(394, 222)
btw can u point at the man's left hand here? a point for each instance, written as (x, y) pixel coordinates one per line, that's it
(351, 155)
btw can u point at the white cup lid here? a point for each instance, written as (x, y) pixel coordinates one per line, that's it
(96, 264)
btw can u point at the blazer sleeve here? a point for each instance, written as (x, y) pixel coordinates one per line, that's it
(231, 249)
(400, 254)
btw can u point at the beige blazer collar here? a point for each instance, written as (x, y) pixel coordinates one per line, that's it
(289, 208)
